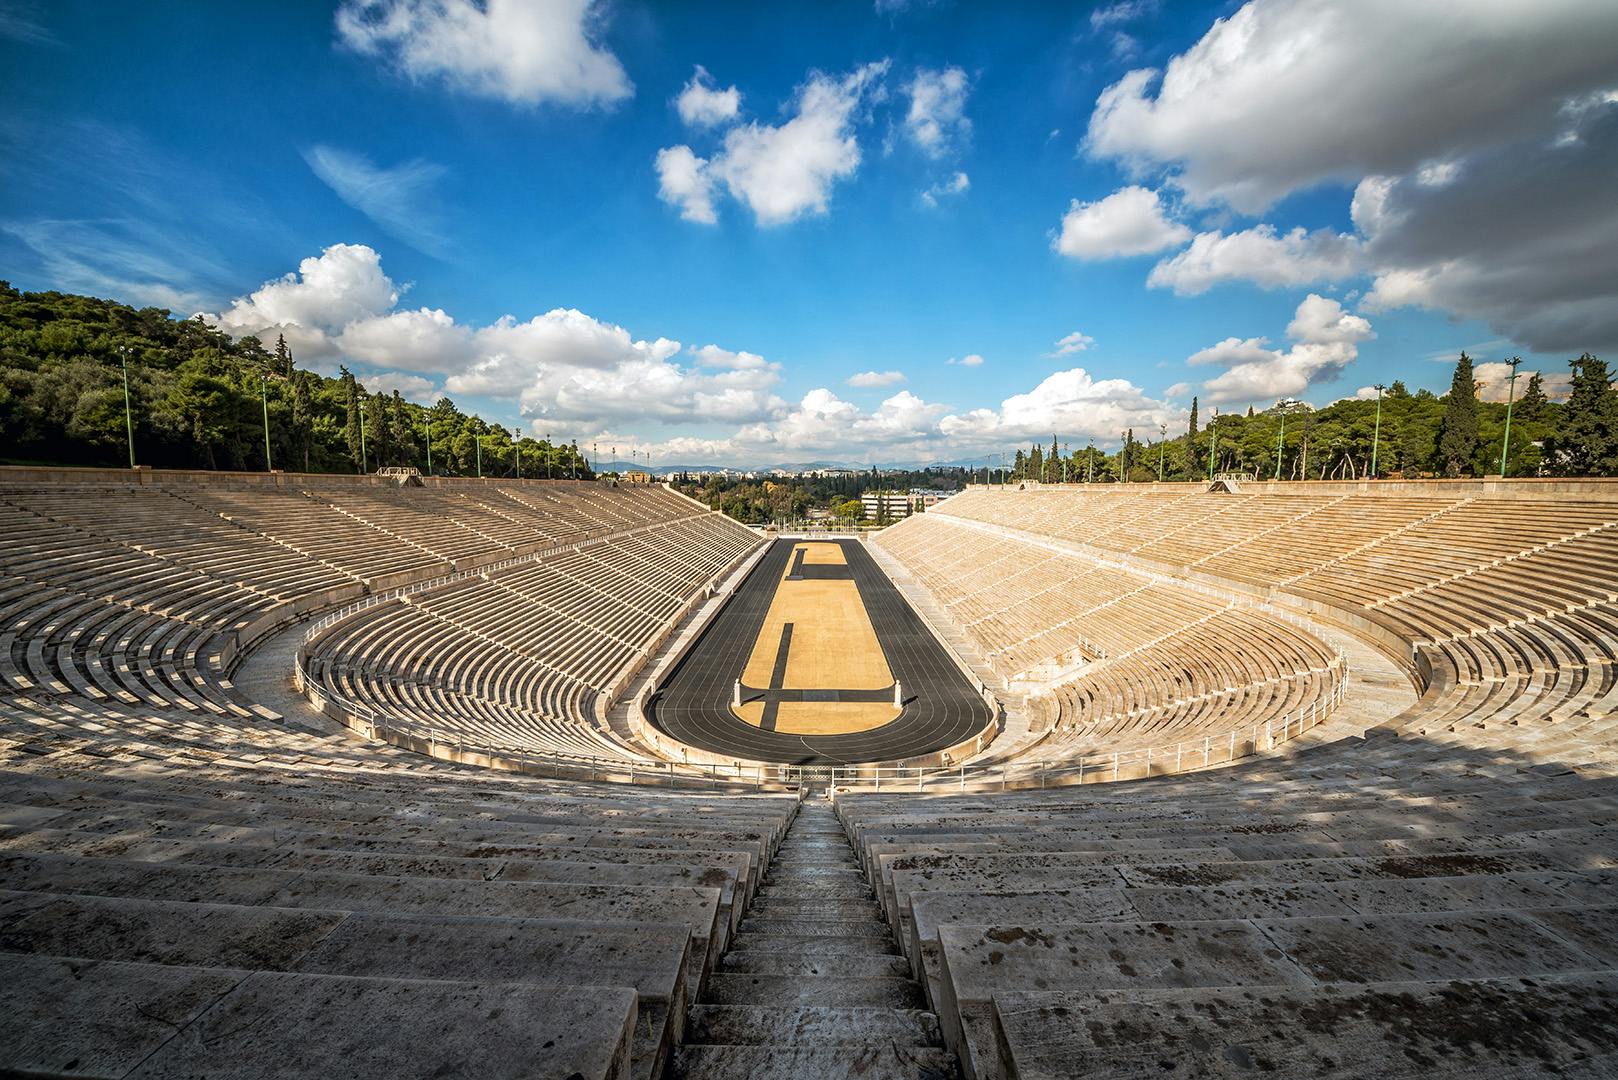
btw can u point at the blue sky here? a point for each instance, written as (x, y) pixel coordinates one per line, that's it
(546, 210)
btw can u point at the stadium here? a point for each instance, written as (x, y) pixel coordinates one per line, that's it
(1314, 779)
(887, 540)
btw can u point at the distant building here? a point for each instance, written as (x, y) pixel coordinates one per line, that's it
(893, 505)
(636, 476)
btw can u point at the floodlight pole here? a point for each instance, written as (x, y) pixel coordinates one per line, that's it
(549, 450)
(1162, 440)
(129, 420)
(264, 400)
(1511, 387)
(1213, 444)
(1376, 432)
(477, 441)
(365, 466)
(1090, 461)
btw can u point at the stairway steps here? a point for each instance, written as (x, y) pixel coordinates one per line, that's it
(763, 1025)
(813, 982)
(839, 965)
(796, 1061)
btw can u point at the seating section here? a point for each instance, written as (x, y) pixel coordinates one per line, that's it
(1138, 660)
(523, 657)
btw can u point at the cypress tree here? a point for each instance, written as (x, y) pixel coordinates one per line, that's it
(1534, 403)
(1458, 439)
(303, 418)
(351, 428)
(1192, 469)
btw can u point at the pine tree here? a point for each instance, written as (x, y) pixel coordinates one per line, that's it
(1192, 468)
(283, 356)
(377, 441)
(1458, 439)
(303, 418)
(1586, 440)
(1053, 461)
(1534, 403)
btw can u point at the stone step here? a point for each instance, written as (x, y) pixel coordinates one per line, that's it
(799, 927)
(821, 1062)
(845, 965)
(815, 1025)
(835, 890)
(815, 907)
(815, 945)
(840, 872)
(743, 989)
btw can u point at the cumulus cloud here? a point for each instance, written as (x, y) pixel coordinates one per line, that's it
(936, 121)
(1262, 256)
(1494, 381)
(410, 387)
(969, 360)
(1285, 94)
(312, 305)
(1325, 341)
(1073, 343)
(781, 172)
(518, 51)
(1130, 221)
(866, 380)
(683, 180)
(565, 368)
(955, 185)
(1070, 402)
(1123, 11)
(700, 105)
(399, 199)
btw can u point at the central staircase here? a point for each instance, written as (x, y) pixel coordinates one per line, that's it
(813, 983)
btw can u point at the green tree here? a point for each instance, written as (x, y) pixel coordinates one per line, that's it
(1586, 440)
(1458, 437)
(1532, 408)
(1193, 466)
(353, 436)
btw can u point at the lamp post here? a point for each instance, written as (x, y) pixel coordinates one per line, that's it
(1376, 432)
(129, 420)
(264, 400)
(1213, 444)
(549, 450)
(1511, 389)
(477, 442)
(1162, 439)
(365, 466)
(429, 427)
(1090, 461)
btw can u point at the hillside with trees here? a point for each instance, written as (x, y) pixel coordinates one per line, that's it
(1418, 435)
(199, 399)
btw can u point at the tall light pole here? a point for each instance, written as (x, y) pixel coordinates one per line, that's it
(1213, 443)
(1511, 392)
(129, 420)
(264, 400)
(1162, 438)
(1281, 441)
(365, 465)
(549, 450)
(1090, 461)
(429, 426)
(1376, 432)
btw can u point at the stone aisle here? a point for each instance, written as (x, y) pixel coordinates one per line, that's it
(813, 984)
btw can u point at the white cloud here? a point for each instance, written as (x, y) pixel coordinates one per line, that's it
(936, 120)
(398, 199)
(712, 356)
(782, 172)
(1325, 341)
(342, 285)
(411, 387)
(1261, 256)
(422, 340)
(866, 380)
(1070, 402)
(1494, 381)
(122, 258)
(955, 185)
(1073, 343)
(1130, 221)
(1121, 12)
(700, 105)
(683, 180)
(521, 51)
(1285, 94)
(969, 360)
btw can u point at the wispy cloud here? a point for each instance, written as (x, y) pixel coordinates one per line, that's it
(118, 258)
(398, 199)
(19, 22)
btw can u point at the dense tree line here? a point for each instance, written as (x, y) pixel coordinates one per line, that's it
(199, 399)
(755, 501)
(1418, 434)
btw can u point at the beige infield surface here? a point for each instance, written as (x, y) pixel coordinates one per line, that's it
(833, 647)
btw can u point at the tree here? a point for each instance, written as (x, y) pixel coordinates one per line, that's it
(1586, 440)
(1458, 437)
(352, 435)
(303, 418)
(1192, 462)
(378, 443)
(1531, 409)
(282, 365)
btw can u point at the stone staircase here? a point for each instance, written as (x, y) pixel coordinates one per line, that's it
(813, 983)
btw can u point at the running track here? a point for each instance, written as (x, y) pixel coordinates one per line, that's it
(692, 703)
